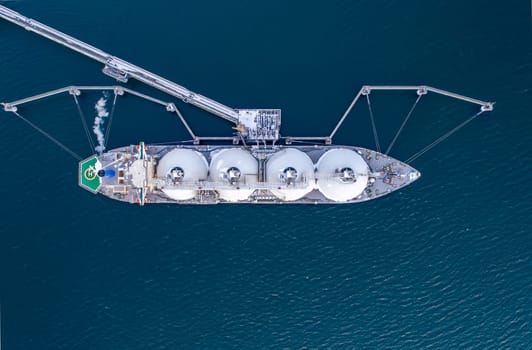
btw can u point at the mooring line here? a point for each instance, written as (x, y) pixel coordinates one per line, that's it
(50, 137)
(108, 131)
(441, 138)
(403, 125)
(84, 122)
(375, 136)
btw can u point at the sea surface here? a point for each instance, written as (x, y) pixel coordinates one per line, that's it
(442, 264)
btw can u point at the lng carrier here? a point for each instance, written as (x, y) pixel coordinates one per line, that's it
(203, 174)
(254, 165)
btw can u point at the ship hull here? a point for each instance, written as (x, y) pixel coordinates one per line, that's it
(280, 174)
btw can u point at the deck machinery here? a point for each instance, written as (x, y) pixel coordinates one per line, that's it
(254, 165)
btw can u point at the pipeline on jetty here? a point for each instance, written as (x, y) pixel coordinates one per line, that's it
(120, 69)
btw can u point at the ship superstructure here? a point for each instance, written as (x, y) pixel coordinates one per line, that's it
(253, 165)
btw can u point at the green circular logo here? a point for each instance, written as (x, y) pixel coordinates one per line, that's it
(89, 173)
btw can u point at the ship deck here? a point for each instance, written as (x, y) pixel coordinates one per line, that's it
(386, 175)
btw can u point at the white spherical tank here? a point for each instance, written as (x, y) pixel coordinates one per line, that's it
(292, 173)
(342, 174)
(182, 167)
(236, 170)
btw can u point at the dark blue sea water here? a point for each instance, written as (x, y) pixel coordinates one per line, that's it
(442, 264)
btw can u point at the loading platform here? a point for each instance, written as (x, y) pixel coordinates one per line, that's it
(255, 125)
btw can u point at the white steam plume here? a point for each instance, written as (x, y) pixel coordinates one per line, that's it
(98, 122)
